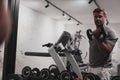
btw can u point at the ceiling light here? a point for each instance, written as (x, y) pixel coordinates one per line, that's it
(69, 18)
(64, 15)
(90, 1)
(47, 5)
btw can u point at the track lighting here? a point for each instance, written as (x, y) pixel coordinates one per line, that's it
(90, 1)
(63, 12)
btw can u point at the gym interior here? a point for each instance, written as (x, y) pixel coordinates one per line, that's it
(37, 25)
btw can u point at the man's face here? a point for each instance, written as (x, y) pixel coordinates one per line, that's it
(99, 18)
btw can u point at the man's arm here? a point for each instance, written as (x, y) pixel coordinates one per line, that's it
(4, 22)
(107, 45)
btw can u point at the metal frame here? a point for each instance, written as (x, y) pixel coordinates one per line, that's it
(11, 43)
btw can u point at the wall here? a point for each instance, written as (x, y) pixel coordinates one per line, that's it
(34, 30)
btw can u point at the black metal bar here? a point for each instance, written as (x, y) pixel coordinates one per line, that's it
(63, 11)
(11, 43)
(42, 54)
(94, 2)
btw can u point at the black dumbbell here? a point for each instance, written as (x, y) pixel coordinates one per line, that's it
(54, 71)
(26, 72)
(65, 75)
(45, 74)
(90, 76)
(35, 73)
(89, 34)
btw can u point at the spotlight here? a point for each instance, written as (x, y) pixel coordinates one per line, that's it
(69, 19)
(90, 1)
(64, 14)
(47, 5)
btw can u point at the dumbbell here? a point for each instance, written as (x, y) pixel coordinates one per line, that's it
(90, 34)
(26, 72)
(90, 76)
(54, 71)
(45, 74)
(35, 73)
(65, 75)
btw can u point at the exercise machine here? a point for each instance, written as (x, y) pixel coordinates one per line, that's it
(64, 45)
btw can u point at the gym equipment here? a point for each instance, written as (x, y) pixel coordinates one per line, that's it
(54, 71)
(65, 75)
(26, 72)
(77, 38)
(89, 34)
(35, 72)
(45, 74)
(90, 76)
(64, 45)
(77, 52)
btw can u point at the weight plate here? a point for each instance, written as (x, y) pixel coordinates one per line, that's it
(26, 71)
(35, 72)
(65, 75)
(45, 73)
(90, 76)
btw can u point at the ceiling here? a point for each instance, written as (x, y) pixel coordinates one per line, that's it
(79, 9)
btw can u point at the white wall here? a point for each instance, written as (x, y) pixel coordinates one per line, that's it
(34, 30)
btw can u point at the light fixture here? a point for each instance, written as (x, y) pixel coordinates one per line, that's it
(47, 5)
(69, 18)
(63, 12)
(90, 1)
